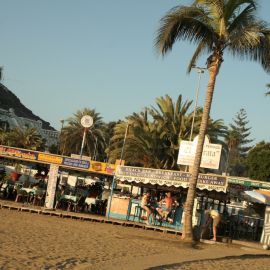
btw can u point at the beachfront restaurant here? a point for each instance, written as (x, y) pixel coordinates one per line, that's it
(211, 190)
(75, 185)
(247, 209)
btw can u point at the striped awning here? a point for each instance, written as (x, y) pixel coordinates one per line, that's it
(170, 178)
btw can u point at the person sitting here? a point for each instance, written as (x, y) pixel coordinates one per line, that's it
(145, 205)
(166, 205)
(59, 196)
(209, 216)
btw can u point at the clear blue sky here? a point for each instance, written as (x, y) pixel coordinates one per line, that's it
(61, 56)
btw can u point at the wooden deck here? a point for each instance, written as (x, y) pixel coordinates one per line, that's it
(81, 216)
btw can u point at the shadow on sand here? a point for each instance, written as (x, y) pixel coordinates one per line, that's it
(183, 265)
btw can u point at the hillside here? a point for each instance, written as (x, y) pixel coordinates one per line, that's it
(9, 100)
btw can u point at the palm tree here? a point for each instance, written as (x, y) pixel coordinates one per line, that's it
(143, 146)
(268, 93)
(173, 124)
(27, 138)
(72, 134)
(214, 26)
(154, 134)
(3, 136)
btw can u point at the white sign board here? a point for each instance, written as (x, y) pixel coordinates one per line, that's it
(80, 157)
(52, 181)
(210, 156)
(87, 121)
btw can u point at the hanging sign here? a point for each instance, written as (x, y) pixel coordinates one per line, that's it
(210, 156)
(169, 178)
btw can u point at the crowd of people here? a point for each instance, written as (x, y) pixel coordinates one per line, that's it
(161, 209)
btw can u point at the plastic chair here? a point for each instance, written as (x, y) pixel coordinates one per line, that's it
(22, 196)
(79, 204)
(39, 197)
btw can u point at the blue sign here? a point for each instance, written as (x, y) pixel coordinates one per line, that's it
(74, 162)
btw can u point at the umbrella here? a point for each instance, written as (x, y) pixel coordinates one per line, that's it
(257, 197)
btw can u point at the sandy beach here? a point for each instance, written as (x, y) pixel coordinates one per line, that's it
(32, 241)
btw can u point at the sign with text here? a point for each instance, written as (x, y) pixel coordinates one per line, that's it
(74, 162)
(68, 162)
(210, 156)
(80, 157)
(170, 178)
(48, 158)
(17, 153)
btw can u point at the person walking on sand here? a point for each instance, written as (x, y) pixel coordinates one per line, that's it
(211, 215)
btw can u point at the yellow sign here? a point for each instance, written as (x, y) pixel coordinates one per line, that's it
(50, 158)
(102, 167)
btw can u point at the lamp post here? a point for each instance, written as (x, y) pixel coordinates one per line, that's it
(59, 141)
(200, 72)
(95, 149)
(86, 122)
(113, 182)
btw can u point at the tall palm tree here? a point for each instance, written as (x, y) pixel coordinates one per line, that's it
(72, 134)
(171, 120)
(214, 26)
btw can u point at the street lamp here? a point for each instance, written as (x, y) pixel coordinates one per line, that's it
(86, 122)
(200, 72)
(59, 141)
(96, 141)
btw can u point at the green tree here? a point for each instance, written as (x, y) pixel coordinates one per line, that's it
(143, 145)
(173, 125)
(154, 134)
(3, 136)
(109, 132)
(258, 162)
(238, 144)
(215, 26)
(72, 135)
(53, 149)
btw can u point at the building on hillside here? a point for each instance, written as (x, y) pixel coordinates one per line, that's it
(9, 120)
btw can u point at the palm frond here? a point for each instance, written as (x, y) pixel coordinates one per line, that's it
(184, 23)
(199, 50)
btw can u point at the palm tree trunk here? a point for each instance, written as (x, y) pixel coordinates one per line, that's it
(188, 232)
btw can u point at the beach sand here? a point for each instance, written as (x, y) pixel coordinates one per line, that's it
(32, 241)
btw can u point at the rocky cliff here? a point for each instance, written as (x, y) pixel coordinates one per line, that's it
(9, 100)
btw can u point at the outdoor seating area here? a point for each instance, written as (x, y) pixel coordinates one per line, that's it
(33, 194)
(157, 206)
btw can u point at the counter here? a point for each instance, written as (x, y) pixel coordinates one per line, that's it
(119, 207)
(125, 208)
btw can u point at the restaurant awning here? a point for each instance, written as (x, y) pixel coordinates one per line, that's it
(257, 197)
(248, 182)
(169, 178)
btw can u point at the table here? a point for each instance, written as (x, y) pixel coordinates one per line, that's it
(90, 201)
(70, 197)
(29, 190)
